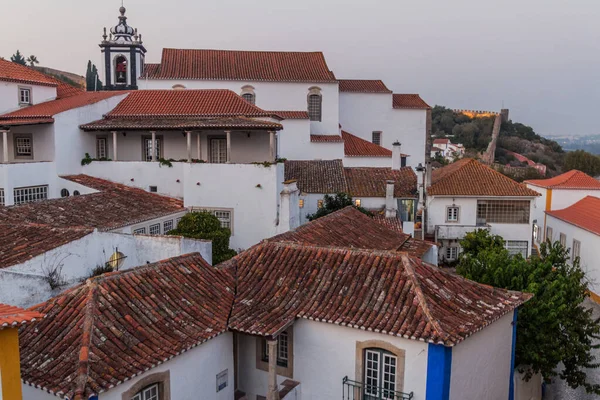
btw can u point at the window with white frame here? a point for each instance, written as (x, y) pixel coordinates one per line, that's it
(224, 217)
(314, 104)
(380, 374)
(376, 138)
(30, 194)
(503, 211)
(452, 214)
(563, 240)
(549, 233)
(517, 247)
(23, 146)
(576, 248)
(140, 231)
(101, 147)
(283, 350)
(24, 95)
(167, 226)
(155, 229)
(148, 393)
(218, 150)
(451, 253)
(147, 148)
(1, 197)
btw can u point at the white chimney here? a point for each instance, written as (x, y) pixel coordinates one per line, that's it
(289, 215)
(396, 155)
(390, 204)
(427, 174)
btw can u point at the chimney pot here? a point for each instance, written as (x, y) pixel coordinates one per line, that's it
(396, 155)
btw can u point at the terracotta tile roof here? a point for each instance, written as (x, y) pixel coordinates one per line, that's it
(469, 177)
(119, 325)
(11, 316)
(13, 72)
(291, 114)
(114, 206)
(379, 291)
(357, 147)
(25, 121)
(393, 224)
(241, 65)
(20, 242)
(47, 110)
(326, 139)
(179, 124)
(65, 90)
(584, 214)
(436, 149)
(441, 141)
(363, 86)
(569, 180)
(204, 103)
(317, 176)
(409, 101)
(372, 181)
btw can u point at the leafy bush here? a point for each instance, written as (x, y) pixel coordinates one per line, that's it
(335, 203)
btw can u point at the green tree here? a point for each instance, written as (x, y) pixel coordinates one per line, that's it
(582, 161)
(335, 203)
(204, 225)
(554, 327)
(92, 80)
(18, 58)
(32, 60)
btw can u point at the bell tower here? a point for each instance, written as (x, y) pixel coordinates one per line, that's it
(123, 56)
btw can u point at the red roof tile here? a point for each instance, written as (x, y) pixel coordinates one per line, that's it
(326, 139)
(241, 65)
(114, 206)
(379, 291)
(65, 90)
(569, 180)
(363, 86)
(469, 177)
(291, 114)
(49, 109)
(13, 72)
(372, 181)
(409, 101)
(584, 214)
(393, 223)
(441, 141)
(179, 124)
(11, 316)
(317, 176)
(357, 147)
(119, 325)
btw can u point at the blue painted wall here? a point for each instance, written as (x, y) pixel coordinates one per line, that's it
(511, 384)
(439, 369)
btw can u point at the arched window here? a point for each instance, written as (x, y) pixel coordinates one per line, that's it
(178, 87)
(248, 94)
(155, 386)
(147, 393)
(121, 70)
(64, 193)
(314, 104)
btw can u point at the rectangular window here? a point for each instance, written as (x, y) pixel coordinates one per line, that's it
(576, 248)
(314, 107)
(101, 147)
(218, 150)
(148, 393)
(451, 253)
(30, 194)
(224, 217)
(282, 350)
(24, 95)
(319, 203)
(301, 203)
(549, 234)
(167, 226)
(452, 214)
(407, 210)
(222, 380)
(357, 202)
(177, 222)
(376, 138)
(1, 197)
(155, 229)
(153, 189)
(503, 211)
(147, 148)
(563, 240)
(23, 146)
(140, 231)
(517, 247)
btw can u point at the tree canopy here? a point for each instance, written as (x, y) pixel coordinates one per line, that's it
(583, 161)
(92, 80)
(555, 331)
(18, 58)
(204, 225)
(32, 60)
(335, 203)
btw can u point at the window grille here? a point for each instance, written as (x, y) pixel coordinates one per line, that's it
(517, 247)
(380, 374)
(167, 226)
(1, 197)
(452, 214)
(218, 150)
(282, 350)
(314, 107)
(155, 229)
(249, 97)
(451, 253)
(377, 138)
(23, 146)
(503, 211)
(30, 194)
(224, 217)
(24, 96)
(148, 149)
(148, 393)
(101, 147)
(140, 231)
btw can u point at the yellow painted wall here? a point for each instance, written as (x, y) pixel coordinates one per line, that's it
(548, 208)
(10, 370)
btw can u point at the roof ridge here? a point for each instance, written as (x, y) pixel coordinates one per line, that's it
(86, 341)
(410, 272)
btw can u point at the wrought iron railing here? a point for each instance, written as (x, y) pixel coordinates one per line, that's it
(353, 390)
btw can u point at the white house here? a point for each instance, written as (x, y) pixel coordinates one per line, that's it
(468, 195)
(559, 193)
(577, 227)
(443, 147)
(182, 327)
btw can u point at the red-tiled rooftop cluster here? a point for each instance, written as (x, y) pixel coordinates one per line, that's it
(584, 214)
(410, 101)
(11, 316)
(363, 86)
(274, 66)
(358, 147)
(13, 72)
(569, 180)
(326, 139)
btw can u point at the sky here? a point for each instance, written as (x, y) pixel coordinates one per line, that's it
(539, 58)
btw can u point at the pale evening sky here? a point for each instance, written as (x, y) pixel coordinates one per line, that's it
(540, 58)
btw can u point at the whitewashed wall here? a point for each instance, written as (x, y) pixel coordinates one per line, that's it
(31, 393)
(310, 205)
(9, 95)
(43, 142)
(565, 198)
(23, 284)
(271, 96)
(539, 208)
(481, 364)
(294, 140)
(383, 162)
(363, 113)
(26, 174)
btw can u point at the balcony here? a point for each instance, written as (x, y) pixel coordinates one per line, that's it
(456, 232)
(353, 390)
